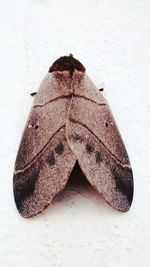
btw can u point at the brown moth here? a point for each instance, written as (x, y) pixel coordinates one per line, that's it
(70, 122)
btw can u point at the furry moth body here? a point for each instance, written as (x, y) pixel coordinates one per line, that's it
(70, 121)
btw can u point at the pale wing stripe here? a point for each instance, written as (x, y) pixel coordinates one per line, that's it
(111, 154)
(39, 154)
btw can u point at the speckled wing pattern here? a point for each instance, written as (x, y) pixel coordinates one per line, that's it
(44, 159)
(94, 138)
(70, 121)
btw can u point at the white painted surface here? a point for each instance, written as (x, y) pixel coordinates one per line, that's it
(112, 39)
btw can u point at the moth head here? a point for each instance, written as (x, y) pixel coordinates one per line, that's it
(67, 63)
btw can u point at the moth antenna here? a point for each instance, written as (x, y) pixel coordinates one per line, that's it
(33, 94)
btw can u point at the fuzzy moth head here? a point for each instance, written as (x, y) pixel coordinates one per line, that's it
(67, 63)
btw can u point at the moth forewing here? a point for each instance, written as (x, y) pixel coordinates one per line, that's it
(96, 141)
(70, 120)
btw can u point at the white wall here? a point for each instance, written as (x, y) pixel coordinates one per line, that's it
(112, 39)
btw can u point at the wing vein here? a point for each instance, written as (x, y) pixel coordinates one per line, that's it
(68, 96)
(52, 100)
(86, 98)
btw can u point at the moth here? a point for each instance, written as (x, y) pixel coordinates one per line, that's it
(70, 122)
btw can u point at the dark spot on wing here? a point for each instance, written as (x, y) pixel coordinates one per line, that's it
(59, 148)
(77, 137)
(51, 159)
(89, 148)
(124, 183)
(36, 126)
(24, 190)
(98, 157)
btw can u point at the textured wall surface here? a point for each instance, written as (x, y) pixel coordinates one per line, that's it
(112, 39)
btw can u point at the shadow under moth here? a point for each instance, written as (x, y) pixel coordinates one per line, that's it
(70, 122)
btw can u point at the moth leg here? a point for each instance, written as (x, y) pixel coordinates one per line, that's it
(33, 94)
